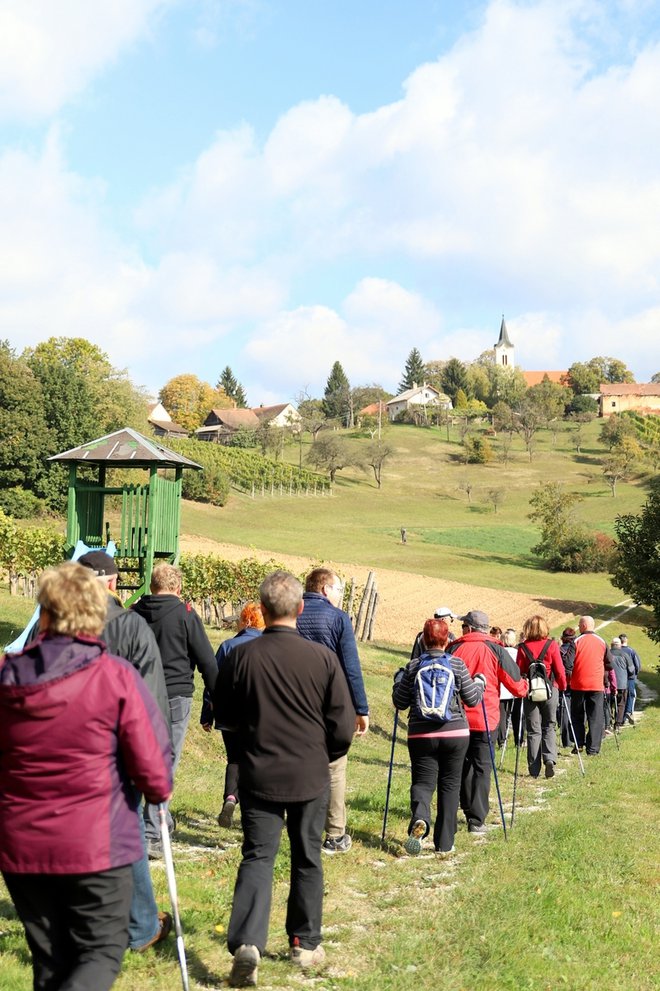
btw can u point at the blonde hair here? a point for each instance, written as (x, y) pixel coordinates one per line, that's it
(165, 578)
(510, 638)
(535, 628)
(73, 600)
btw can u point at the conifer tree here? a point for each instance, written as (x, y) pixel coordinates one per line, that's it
(414, 371)
(232, 387)
(337, 403)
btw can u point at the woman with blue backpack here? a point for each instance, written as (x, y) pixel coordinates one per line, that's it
(435, 686)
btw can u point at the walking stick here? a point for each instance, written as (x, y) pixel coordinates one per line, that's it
(577, 749)
(492, 760)
(506, 737)
(515, 773)
(171, 884)
(389, 776)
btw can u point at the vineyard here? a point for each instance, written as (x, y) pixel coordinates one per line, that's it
(251, 472)
(647, 428)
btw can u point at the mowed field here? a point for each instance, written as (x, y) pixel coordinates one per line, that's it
(458, 553)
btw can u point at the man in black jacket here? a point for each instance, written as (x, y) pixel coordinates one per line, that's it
(288, 700)
(128, 636)
(184, 646)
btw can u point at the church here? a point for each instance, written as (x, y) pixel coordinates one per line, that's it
(505, 358)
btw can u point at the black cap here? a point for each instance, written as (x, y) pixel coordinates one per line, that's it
(100, 563)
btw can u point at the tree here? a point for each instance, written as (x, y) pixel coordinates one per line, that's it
(189, 400)
(479, 382)
(25, 438)
(228, 384)
(655, 377)
(454, 377)
(477, 451)
(549, 399)
(527, 423)
(582, 404)
(414, 371)
(587, 376)
(366, 395)
(503, 419)
(466, 486)
(330, 453)
(637, 564)
(621, 461)
(433, 373)
(506, 385)
(614, 429)
(312, 414)
(565, 545)
(337, 400)
(579, 421)
(377, 454)
(496, 497)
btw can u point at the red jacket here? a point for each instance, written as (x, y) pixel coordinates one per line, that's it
(554, 665)
(77, 725)
(485, 655)
(592, 660)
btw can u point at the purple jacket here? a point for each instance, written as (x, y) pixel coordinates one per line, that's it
(77, 725)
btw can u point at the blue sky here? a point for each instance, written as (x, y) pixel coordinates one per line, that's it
(277, 184)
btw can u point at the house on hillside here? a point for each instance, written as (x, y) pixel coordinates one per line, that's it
(280, 415)
(162, 423)
(418, 396)
(535, 378)
(220, 424)
(638, 397)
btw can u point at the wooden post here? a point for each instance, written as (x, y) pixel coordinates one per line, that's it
(363, 604)
(370, 608)
(372, 619)
(351, 596)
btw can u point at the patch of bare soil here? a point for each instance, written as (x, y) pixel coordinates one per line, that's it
(406, 600)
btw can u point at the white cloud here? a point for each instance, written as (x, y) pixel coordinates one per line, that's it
(51, 49)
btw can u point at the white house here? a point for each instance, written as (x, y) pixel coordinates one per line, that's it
(419, 395)
(280, 415)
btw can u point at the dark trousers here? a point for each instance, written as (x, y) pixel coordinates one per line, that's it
(76, 926)
(506, 705)
(564, 713)
(262, 828)
(475, 784)
(437, 762)
(588, 706)
(232, 749)
(621, 699)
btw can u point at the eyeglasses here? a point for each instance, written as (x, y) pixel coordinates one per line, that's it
(336, 588)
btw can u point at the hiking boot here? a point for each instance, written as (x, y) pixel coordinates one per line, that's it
(245, 967)
(445, 854)
(164, 927)
(629, 719)
(227, 813)
(304, 958)
(337, 844)
(478, 828)
(577, 750)
(413, 844)
(154, 850)
(549, 769)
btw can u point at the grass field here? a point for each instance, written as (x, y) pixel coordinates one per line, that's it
(447, 535)
(570, 900)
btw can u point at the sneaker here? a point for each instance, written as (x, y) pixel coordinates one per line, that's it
(304, 958)
(164, 927)
(478, 828)
(629, 719)
(445, 854)
(227, 813)
(577, 750)
(609, 732)
(549, 769)
(413, 844)
(337, 844)
(245, 967)
(154, 850)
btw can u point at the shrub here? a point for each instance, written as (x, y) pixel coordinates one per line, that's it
(21, 504)
(210, 485)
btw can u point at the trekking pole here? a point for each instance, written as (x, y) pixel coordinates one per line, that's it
(492, 760)
(577, 749)
(389, 776)
(506, 737)
(171, 884)
(515, 773)
(616, 737)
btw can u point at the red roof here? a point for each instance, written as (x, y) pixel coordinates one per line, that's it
(535, 378)
(630, 389)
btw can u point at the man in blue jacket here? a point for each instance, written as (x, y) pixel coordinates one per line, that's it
(323, 621)
(632, 681)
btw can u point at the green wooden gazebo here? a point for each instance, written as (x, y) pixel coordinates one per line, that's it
(150, 512)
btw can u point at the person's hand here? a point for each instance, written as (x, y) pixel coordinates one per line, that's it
(398, 675)
(207, 727)
(361, 725)
(482, 678)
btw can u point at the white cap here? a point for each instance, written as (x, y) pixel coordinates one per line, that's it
(442, 612)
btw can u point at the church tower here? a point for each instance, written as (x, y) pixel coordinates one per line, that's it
(504, 349)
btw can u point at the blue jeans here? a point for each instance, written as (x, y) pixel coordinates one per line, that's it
(180, 708)
(143, 921)
(632, 694)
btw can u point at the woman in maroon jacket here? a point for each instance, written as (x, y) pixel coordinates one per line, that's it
(76, 726)
(541, 717)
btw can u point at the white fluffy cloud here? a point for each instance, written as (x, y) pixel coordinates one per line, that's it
(51, 49)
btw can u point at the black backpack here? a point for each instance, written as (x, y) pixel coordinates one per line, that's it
(540, 688)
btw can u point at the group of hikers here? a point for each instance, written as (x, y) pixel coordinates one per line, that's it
(94, 712)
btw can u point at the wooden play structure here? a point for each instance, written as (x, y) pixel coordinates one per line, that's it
(150, 512)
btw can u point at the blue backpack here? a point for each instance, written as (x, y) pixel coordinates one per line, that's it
(435, 686)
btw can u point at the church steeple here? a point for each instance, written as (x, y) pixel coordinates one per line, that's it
(504, 352)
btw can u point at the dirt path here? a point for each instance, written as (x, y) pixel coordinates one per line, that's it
(407, 599)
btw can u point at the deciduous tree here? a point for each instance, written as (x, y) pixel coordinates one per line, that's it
(637, 564)
(189, 400)
(330, 453)
(378, 453)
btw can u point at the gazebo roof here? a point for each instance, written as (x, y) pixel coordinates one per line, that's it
(125, 448)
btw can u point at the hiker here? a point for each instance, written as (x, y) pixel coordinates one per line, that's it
(323, 621)
(78, 728)
(437, 746)
(250, 625)
(567, 651)
(127, 635)
(184, 646)
(442, 612)
(482, 655)
(624, 671)
(592, 660)
(632, 682)
(509, 642)
(609, 703)
(541, 713)
(288, 701)
(404, 535)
